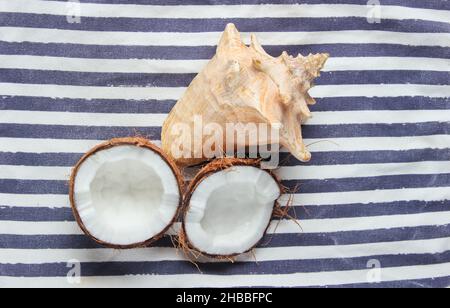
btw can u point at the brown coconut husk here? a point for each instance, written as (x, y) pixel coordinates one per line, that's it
(133, 141)
(184, 244)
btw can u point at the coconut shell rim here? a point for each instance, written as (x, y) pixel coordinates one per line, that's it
(209, 169)
(133, 141)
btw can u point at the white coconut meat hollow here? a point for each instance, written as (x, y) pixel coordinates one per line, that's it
(125, 195)
(230, 210)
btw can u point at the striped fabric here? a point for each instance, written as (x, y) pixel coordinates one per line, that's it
(374, 203)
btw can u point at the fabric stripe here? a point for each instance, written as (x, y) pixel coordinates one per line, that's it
(304, 199)
(216, 25)
(170, 268)
(381, 103)
(431, 246)
(277, 227)
(142, 120)
(442, 282)
(303, 172)
(164, 106)
(305, 212)
(310, 186)
(366, 197)
(183, 80)
(303, 240)
(319, 159)
(432, 4)
(196, 280)
(207, 52)
(164, 93)
(217, 11)
(98, 106)
(42, 145)
(148, 66)
(153, 133)
(35, 214)
(38, 35)
(355, 184)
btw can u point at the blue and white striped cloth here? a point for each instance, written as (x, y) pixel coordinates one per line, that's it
(374, 203)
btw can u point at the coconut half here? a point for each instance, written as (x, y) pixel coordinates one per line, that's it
(125, 193)
(229, 207)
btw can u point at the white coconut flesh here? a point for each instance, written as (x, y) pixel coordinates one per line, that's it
(229, 211)
(126, 195)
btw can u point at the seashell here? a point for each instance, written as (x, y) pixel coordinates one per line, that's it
(245, 85)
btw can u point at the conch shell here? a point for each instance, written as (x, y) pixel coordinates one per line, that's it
(244, 85)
